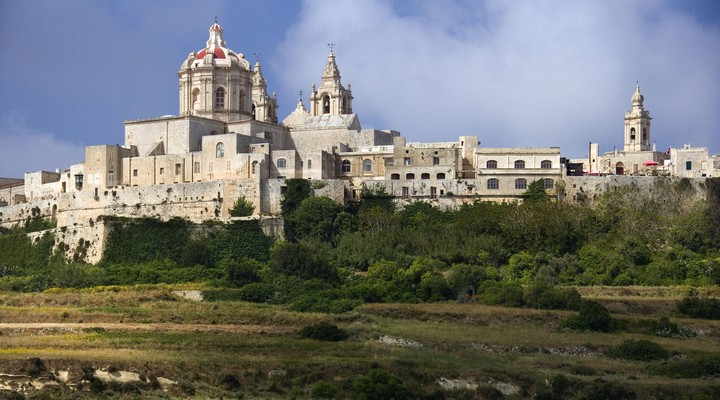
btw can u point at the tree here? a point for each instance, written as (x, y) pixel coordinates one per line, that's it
(536, 193)
(242, 208)
(301, 260)
(320, 218)
(297, 191)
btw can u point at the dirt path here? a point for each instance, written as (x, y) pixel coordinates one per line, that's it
(150, 327)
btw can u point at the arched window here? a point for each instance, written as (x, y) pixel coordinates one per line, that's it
(367, 165)
(345, 168)
(619, 169)
(519, 164)
(632, 134)
(546, 164)
(409, 176)
(521, 184)
(219, 98)
(281, 163)
(491, 164)
(548, 183)
(441, 176)
(493, 184)
(326, 104)
(220, 150)
(254, 167)
(195, 94)
(395, 177)
(425, 176)
(645, 138)
(253, 111)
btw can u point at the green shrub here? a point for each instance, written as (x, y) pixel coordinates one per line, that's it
(242, 208)
(640, 350)
(324, 390)
(592, 316)
(696, 307)
(256, 292)
(510, 295)
(379, 384)
(222, 295)
(664, 328)
(600, 389)
(551, 298)
(324, 331)
(678, 368)
(583, 370)
(240, 273)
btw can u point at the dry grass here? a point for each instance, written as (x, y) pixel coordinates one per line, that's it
(147, 329)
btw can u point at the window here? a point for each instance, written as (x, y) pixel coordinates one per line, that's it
(196, 167)
(345, 167)
(220, 150)
(228, 166)
(491, 164)
(632, 134)
(409, 176)
(162, 170)
(688, 165)
(436, 160)
(395, 177)
(425, 176)
(281, 163)
(178, 169)
(546, 164)
(441, 176)
(254, 167)
(111, 178)
(367, 165)
(519, 164)
(405, 192)
(134, 172)
(548, 183)
(645, 137)
(220, 98)
(521, 184)
(309, 163)
(407, 161)
(195, 94)
(433, 192)
(493, 184)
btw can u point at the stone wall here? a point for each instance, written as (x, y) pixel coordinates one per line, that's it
(587, 189)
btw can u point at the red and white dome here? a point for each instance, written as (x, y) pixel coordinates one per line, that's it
(215, 53)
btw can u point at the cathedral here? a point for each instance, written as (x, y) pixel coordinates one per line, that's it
(227, 142)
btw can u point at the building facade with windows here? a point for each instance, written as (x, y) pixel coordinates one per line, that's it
(227, 142)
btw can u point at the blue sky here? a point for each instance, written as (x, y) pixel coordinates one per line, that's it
(514, 73)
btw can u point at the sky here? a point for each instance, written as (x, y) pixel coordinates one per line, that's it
(514, 73)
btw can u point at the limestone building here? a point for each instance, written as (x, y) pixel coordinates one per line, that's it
(227, 142)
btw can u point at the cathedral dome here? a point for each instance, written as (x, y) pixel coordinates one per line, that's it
(215, 53)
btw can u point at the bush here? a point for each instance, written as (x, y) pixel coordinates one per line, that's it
(257, 292)
(510, 295)
(592, 316)
(324, 331)
(379, 384)
(696, 307)
(640, 350)
(552, 298)
(324, 390)
(242, 208)
(600, 389)
(706, 365)
(664, 328)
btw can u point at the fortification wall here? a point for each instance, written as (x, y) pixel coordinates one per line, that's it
(587, 189)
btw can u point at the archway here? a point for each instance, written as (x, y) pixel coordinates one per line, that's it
(619, 169)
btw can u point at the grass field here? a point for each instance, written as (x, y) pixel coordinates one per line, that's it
(235, 349)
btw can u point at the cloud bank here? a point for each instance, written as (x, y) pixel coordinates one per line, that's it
(541, 73)
(26, 149)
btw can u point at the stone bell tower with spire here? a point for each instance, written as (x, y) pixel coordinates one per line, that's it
(264, 107)
(331, 97)
(637, 125)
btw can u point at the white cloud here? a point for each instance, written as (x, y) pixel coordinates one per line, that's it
(515, 73)
(26, 149)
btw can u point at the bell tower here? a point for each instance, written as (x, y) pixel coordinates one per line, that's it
(331, 98)
(637, 125)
